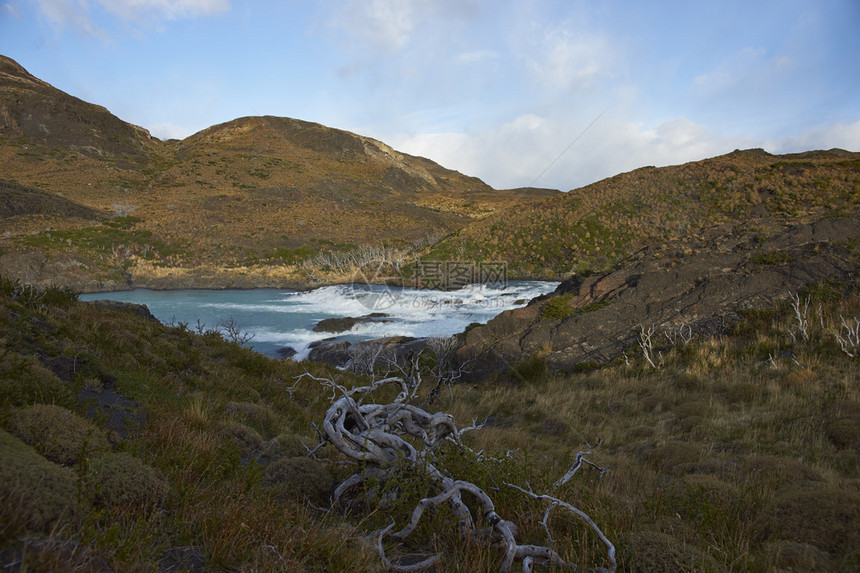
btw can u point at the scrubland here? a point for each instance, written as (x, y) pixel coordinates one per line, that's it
(130, 445)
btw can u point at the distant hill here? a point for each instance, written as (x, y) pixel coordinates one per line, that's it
(34, 112)
(236, 201)
(591, 229)
(274, 201)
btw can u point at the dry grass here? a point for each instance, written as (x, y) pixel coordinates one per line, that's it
(701, 454)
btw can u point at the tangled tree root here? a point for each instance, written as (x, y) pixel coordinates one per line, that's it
(380, 437)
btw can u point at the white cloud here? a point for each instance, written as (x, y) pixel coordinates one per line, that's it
(168, 9)
(72, 13)
(170, 131)
(10, 10)
(842, 135)
(514, 154)
(749, 79)
(76, 13)
(518, 152)
(476, 57)
(376, 25)
(570, 60)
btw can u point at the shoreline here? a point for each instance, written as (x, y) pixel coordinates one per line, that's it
(240, 282)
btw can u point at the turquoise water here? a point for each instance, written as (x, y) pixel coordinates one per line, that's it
(279, 318)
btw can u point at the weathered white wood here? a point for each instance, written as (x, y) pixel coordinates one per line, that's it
(377, 436)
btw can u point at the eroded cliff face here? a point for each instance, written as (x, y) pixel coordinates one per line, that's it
(699, 283)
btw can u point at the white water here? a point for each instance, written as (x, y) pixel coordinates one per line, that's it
(279, 318)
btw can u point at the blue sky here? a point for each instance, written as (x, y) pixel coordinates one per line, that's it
(523, 92)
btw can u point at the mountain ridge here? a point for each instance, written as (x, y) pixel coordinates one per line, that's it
(251, 197)
(593, 228)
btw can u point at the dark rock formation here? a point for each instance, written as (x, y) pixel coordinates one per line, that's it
(286, 352)
(139, 309)
(700, 283)
(346, 323)
(342, 353)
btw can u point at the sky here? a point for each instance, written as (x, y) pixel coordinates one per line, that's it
(546, 93)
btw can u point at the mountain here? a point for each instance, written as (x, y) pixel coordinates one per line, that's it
(591, 229)
(242, 203)
(702, 346)
(688, 247)
(34, 113)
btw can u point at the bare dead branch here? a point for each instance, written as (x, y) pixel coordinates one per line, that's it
(382, 438)
(555, 502)
(580, 459)
(801, 313)
(646, 345)
(850, 342)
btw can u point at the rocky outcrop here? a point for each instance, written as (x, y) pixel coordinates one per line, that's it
(356, 355)
(346, 323)
(140, 310)
(700, 283)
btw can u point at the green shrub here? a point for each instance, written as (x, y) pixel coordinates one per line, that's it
(122, 480)
(826, 518)
(671, 454)
(844, 433)
(771, 258)
(259, 416)
(531, 370)
(299, 477)
(24, 381)
(40, 493)
(58, 434)
(247, 439)
(794, 556)
(35, 296)
(712, 505)
(654, 552)
(742, 392)
(286, 445)
(776, 472)
(557, 308)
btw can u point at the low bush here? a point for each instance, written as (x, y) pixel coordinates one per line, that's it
(25, 381)
(655, 552)
(794, 556)
(558, 307)
(299, 478)
(826, 518)
(123, 481)
(247, 439)
(58, 434)
(259, 416)
(773, 472)
(35, 494)
(674, 453)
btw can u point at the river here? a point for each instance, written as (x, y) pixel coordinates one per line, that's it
(277, 318)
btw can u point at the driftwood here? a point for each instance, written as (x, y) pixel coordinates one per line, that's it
(381, 436)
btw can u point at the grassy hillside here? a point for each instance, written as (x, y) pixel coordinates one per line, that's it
(243, 201)
(592, 228)
(135, 446)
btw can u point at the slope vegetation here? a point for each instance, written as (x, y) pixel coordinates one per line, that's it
(238, 203)
(129, 445)
(593, 228)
